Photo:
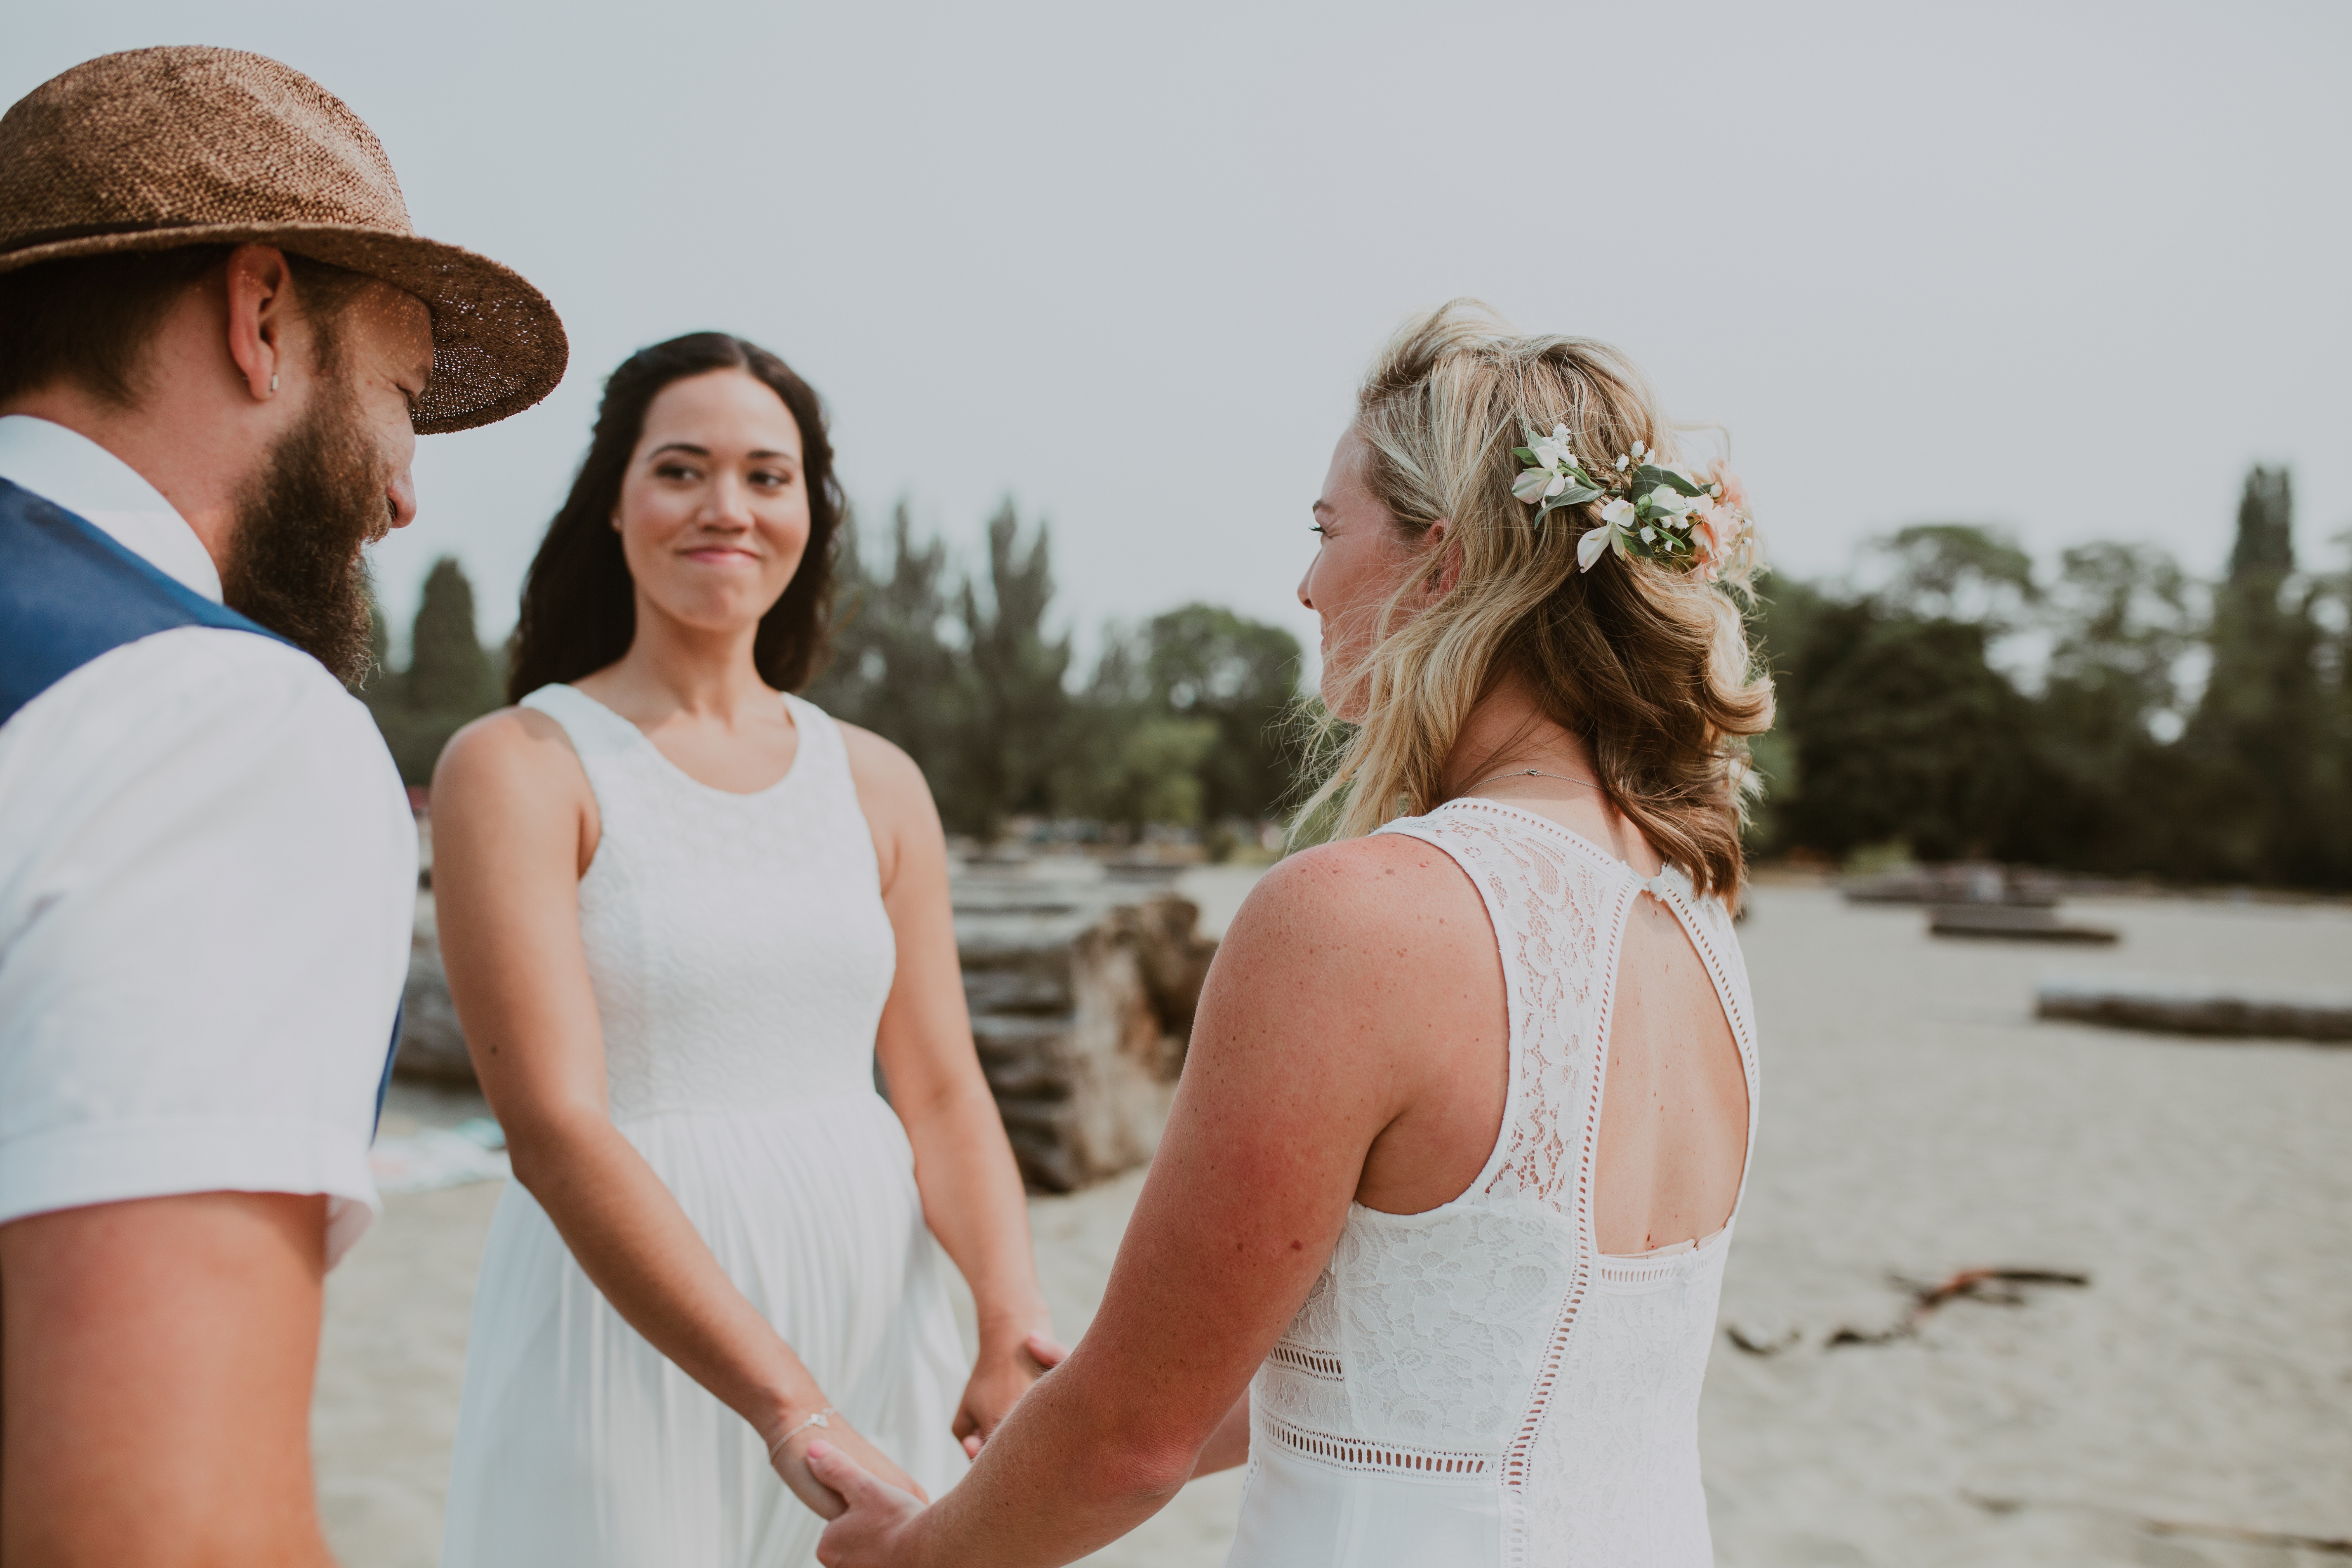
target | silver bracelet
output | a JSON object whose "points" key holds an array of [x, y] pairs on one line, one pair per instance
{"points": [[816, 1420]]}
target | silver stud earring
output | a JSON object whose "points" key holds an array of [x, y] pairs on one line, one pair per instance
{"points": [[273, 381]]}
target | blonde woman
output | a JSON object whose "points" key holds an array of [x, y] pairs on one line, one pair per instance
{"points": [[1435, 1240]]}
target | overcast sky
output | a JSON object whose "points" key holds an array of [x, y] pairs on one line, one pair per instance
{"points": [[2068, 268]]}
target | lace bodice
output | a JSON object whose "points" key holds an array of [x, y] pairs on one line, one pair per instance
{"points": [[737, 943], [1488, 1340]]}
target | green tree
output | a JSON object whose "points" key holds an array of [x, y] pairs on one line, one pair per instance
{"points": [[1241, 677], [2121, 619], [1009, 745], [1958, 572], [451, 679], [449, 672], [2252, 791], [897, 668], [1902, 730]]}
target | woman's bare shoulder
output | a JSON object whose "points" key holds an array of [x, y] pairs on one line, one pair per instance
{"points": [[513, 749], [891, 786], [1362, 903]]}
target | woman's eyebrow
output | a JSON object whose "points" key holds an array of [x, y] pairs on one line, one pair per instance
{"points": [[686, 446]]}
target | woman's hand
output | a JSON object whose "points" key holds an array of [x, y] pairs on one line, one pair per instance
{"points": [[999, 1378], [875, 1527], [848, 1444]]}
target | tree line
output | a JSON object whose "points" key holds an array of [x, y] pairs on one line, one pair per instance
{"points": [[2113, 716], [2195, 732]]}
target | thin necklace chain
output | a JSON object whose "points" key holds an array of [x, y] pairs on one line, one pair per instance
{"points": [[1535, 773]]}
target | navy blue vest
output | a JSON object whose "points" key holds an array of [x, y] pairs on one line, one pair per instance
{"points": [[69, 593]]}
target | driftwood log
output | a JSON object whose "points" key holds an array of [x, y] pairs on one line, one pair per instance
{"points": [[1082, 995], [2013, 922], [2215, 1012], [1082, 998]]}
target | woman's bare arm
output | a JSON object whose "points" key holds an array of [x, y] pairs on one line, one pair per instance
{"points": [[963, 1166], [514, 826], [1325, 1024]]}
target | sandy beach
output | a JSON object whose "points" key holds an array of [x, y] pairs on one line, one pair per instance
{"points": [[2191, 1404]]}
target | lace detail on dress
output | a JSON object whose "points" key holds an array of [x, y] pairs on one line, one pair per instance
{"points": [[1349, 1454], [1555, 913]]}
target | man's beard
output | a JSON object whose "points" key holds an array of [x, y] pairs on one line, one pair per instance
{"points": [[294, 561]]}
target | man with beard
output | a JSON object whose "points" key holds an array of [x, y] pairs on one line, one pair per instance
{"points": [[219, 337]]}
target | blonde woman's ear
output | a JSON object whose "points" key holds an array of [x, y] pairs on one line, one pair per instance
{"points": [[1448, 570]]}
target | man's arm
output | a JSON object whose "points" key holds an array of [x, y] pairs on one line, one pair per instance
{"points": [[156, 1360]]}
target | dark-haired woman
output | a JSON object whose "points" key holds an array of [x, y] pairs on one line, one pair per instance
{"points": [[682, 912]]}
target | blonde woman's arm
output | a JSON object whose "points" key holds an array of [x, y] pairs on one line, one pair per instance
{"points": [[964, 1169], [514, 828], [1353, 1007]]}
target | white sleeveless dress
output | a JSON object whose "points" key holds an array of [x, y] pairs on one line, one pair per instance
{"points": [[741, 956], [1478, 1384]]}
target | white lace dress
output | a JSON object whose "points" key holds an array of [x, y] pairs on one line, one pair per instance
{"points": [[741, 956], [1478, 1384]]}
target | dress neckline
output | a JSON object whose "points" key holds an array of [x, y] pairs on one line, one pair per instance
{"points": [[801, 731], [1667, 871]]}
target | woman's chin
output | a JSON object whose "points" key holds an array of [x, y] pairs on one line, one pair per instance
{"points": [[726, 616]]}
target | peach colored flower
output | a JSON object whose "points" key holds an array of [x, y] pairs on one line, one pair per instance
{"points": [[1735, 492], [1709, 529]]}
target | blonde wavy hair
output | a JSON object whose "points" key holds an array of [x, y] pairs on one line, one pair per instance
{"points": [[1648, 664]]}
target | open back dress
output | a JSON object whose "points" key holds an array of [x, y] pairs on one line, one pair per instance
{"points": [[1478, 1384]]}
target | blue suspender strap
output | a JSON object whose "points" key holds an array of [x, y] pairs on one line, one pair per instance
{"points": [[383, 1084], [69, 592]]}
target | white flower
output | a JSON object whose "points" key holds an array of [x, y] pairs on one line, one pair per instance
{"points": [[1622, 459], [1590, 548], [1668, 499], [1614, 518], [1649, 535], [1640, 453]]}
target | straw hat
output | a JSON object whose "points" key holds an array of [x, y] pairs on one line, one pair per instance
{"points": [[160, 148]]}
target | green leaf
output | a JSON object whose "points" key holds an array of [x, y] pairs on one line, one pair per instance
{"points": [[1577, 495], [1523, 455], [1648, 477]]}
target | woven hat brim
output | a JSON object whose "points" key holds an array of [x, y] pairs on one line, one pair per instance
{"points": [[498, 345]]}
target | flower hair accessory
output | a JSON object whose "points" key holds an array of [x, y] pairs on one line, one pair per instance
{"points": [[1648, 508]]}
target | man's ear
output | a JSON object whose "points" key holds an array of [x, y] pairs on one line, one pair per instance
{"points": [[261, 313]]}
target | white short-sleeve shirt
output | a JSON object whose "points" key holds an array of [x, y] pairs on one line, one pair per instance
{"points": [[207, 886]]}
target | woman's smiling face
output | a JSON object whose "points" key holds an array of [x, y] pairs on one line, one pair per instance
{"points": [[1361, 557], [714, 509]]}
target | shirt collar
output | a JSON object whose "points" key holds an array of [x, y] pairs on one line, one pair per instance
{"points": [[71, 470]]}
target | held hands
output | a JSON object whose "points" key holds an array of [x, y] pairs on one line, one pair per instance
{"points": [[877, 1531], [838, 1436], [998, 1382]]}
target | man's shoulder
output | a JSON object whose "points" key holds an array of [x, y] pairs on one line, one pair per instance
{"points": [[215, 708], [69, 595]]}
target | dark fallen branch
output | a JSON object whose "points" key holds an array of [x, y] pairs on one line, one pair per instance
{"points": [[1760, 1347], [1993, 1287], [2338, 1546]]}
